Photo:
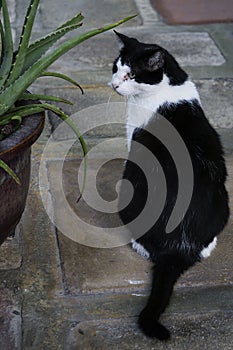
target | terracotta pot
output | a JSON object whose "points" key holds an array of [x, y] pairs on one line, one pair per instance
{"points": [[15, 151]]}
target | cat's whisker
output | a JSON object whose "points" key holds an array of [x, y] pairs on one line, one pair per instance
{"points": [[110, 96], [108, 103]]}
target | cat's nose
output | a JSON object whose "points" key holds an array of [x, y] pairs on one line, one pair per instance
{"points": [[115, 86]]}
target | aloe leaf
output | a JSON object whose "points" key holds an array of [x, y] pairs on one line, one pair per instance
{"points": [[1, 41], [18, 118], [39, 47], [73, 126], [9, 171], [69, 121], [24, 41], [7, 45], [23, 111], [8, 97], [74, 20], [62, 76], [44, 98]]}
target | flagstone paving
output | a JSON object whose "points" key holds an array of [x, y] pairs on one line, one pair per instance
{"points": [[57, 293]]}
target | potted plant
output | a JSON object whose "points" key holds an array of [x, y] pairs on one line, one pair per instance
{"points": [[21, 113]]}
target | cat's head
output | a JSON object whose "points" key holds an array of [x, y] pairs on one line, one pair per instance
{"points": [[141, 66]]}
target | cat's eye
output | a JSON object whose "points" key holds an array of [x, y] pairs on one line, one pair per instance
{"points": [[131, 75]]}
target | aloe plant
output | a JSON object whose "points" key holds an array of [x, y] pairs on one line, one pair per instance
{"points": [[19, 69]]}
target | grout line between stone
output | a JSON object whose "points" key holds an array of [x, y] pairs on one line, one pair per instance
{"points": [[148, 14], [61, 265]]}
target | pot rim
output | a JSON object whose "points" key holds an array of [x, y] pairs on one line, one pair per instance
{"points": [[24, 136]]}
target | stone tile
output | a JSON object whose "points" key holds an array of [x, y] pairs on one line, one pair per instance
{"points": [[90, 270], [215, 95], [229, 164], [11, 9], [11, 252], [97, 53], [87, 269], [216, 98], [10, 321], [41, 273], [215, 328], [110, 321], [217, 269], [56, 274], [93, 95], [227, 139], [189, 48], [95, 14]]}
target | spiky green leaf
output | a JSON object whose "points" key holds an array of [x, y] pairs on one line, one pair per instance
{"points": [[74, 127], [7, 45], [18, 118], [38, 97], [24, 42], [23, 111], [9, 96], [69, 121], [62, 76], [74, 20], [38, 48], [9, 171]]}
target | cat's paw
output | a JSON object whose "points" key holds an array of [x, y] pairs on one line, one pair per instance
{"points": [[152, 328]]}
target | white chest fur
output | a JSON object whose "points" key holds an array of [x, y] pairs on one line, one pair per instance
{"points": [[144, 105], [206, 252], [137, 116]]}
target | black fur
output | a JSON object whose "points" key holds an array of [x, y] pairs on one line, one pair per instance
{"points": [[208, 211]]}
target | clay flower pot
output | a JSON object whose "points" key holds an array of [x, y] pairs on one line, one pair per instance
{"points": [[15, 151]]}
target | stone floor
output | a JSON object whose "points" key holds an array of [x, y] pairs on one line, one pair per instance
{"points": [[57, 293]]}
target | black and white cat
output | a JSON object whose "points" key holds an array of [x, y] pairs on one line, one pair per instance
{"points": [[150, 77]]}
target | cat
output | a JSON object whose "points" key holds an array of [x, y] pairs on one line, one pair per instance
{"points": [[149, 76]]}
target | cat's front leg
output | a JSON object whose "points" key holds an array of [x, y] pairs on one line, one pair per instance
{"points": [[166, 271], [151, 327]]}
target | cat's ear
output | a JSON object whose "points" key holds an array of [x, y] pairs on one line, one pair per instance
{"points": [[125, 40], [155, 61]]}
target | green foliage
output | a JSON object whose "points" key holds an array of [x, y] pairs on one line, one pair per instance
{"points": [[19, 69]]}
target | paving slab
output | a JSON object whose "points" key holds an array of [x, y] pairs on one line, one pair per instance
{"points": [[217, 102], [95, 14], [196, 333], [41, 265], [110, 320], [90, 270], [215, 96], [11, 252], [10, 320], [189, 48], [58, 294], [11, 9], [93, 95], [40, 273], [200, 317]]}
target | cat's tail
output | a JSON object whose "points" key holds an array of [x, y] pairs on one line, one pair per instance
{"points": [[166, 271]]}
